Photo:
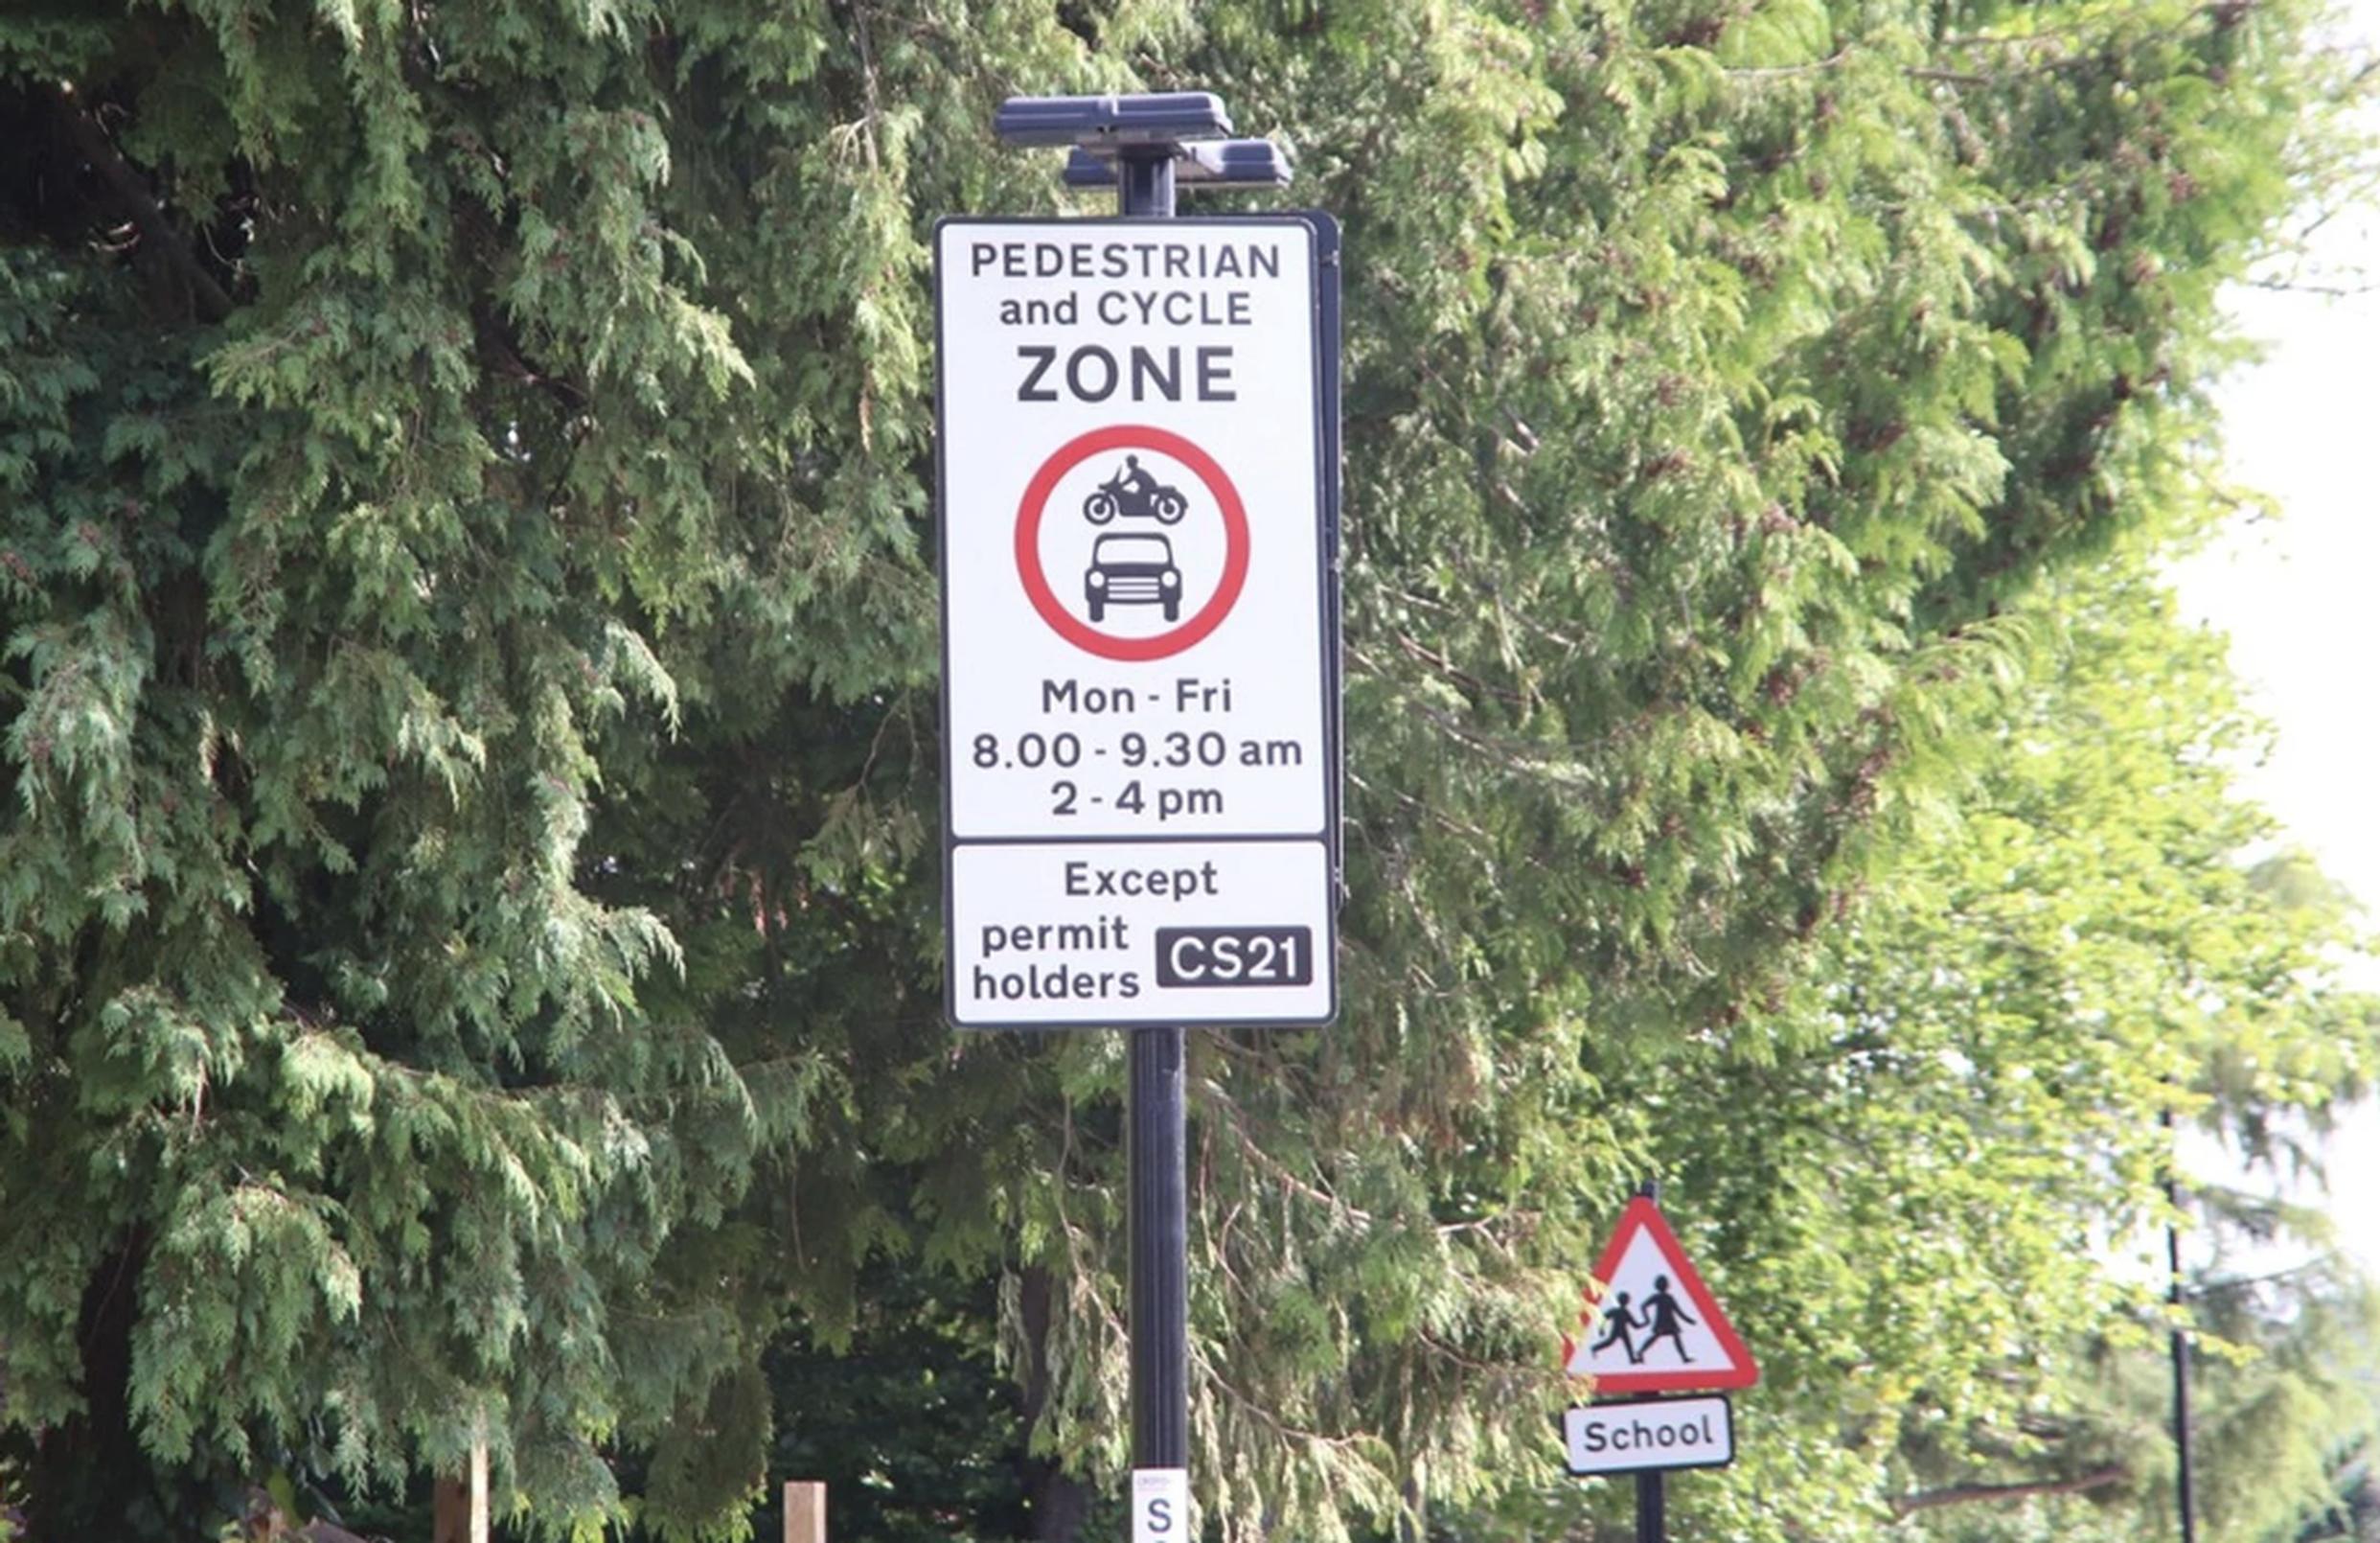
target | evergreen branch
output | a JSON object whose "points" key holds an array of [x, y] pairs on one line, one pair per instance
{"points": [[1084, 1269], [2336, 291], [2354, 192], [2220, 1285], [1444, 1351], [2011, 39], [870, 87], [501, 348], [1515, 755], [1527, 622], [1259, 1158], [1777, 72], [1271, 1422], [1968, 1495], [1916, 72], [1488, 1230], [2222, 12], [212, 301], [1445, 665], [2225, 13]]}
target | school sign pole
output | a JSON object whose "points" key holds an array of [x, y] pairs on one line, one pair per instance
{"points": [[1652, 1484], [1652, 1330], [1138, 513]]}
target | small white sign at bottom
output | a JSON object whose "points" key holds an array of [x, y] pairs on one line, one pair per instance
{"points": [[1160, 1504], [1652, 1433]]}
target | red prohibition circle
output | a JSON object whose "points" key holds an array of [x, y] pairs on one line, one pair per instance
{"points": [[1035, 500]]}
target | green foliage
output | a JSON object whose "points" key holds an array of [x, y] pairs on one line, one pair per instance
{"points": [[917, 1420], [1928, 1180], [467, 928], [2283, 1414]]}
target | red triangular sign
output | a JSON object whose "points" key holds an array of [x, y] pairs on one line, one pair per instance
{"points": [[1654, 1327]]}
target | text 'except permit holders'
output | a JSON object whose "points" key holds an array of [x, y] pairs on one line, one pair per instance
{"points": [[1156, 933]]}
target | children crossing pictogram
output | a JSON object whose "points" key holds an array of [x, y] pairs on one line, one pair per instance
{"points": [[1653, 1325]]}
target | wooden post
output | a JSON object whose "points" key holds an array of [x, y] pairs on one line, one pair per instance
{"points": [[805, 1511], [461, 1505]]}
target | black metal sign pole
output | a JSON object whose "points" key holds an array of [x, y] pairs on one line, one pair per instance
{"points": [[1652, 1498], [1652, 1508], [1160, 1196], [1160, 1248], [2184, 1488]]}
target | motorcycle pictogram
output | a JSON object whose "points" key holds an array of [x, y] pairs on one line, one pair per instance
{"points": [[1136, 495]]}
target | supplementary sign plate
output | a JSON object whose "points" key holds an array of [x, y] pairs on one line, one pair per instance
{"points": [[1087, 933], [1160, 1504], [1650, 1433]]}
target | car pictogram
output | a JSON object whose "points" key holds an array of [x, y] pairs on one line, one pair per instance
{"points": [[1132, 570]]}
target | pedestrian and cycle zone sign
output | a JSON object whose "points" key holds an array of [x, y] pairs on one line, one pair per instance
{"points": [[1139, 621], [1652, 1326]]}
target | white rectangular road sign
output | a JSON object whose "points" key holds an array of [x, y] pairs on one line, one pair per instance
{"points": [[1138, 607], [1160, 1504], [1095, 932], [1650, 1433]]}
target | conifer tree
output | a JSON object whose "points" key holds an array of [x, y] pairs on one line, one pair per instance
{"points": [[468, 929], [1935, 1178]]}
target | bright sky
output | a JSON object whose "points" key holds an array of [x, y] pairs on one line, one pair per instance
{"points": [[2297, 593]]}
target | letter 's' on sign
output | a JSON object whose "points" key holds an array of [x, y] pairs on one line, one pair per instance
{"points": [[1160, 1504]]}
